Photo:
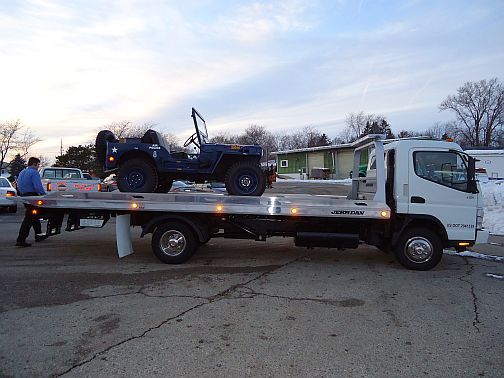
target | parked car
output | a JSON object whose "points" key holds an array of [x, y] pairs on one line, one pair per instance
{"points": [[181, 186], [146, 165], [217, 187], [62, 179], [109, 184], [8, 196]]}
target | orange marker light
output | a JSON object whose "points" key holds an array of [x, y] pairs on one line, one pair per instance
{"points": [[111, 158], [464, 244], [219, 208], [34, 212], [134, 205], [49, 186], [294, 211], [40, 202], [385, 214], [10, 194]]}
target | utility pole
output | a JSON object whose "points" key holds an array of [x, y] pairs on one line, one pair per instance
{"points": [[61, 147]]}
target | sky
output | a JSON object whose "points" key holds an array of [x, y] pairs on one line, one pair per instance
{"points": [[69, 67]]}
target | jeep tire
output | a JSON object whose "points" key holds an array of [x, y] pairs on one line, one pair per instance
{"points": [[137, 176], [102, 138], [245, 178]]}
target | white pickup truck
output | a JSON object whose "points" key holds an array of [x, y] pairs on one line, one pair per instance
{"points": [[60, 179]]}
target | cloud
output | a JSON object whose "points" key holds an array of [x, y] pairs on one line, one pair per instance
{"points": [[260, 21], [66, 68]]}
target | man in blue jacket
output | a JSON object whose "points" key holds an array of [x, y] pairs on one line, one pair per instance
{"points": [[30, 184]]}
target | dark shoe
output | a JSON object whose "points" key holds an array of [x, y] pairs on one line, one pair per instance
{"points": [[39, 238], [23, 244]]}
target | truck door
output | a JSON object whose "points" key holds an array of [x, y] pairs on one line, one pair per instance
{"points": [[438, 187]]}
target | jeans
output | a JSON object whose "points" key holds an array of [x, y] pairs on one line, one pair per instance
{"points": [[29, 221]]}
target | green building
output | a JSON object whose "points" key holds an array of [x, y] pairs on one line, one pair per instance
{"points": [[336, 161]]}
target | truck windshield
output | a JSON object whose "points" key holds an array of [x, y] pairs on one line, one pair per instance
{"points": [[200, 125], [445, 168]]}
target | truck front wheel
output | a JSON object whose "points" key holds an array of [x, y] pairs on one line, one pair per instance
{"points": [[173, 243], [419, 248], [137, 176], [245, 179]]}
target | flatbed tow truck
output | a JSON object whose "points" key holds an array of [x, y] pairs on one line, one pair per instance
{"points": [[419, 197]]}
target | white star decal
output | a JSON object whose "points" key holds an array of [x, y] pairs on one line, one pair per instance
{"points": [[114, 150]]}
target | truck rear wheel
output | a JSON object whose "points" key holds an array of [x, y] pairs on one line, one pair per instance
{"points": [[102, 138], [137, 176], [419, 248], [245, 179], [173, 242]]}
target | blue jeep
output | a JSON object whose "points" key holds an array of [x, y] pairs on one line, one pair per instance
{"points": [[146, 165]]}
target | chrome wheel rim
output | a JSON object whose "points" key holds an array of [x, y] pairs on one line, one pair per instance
{"points": [[245, 181], [418, 249], [172, 243]]}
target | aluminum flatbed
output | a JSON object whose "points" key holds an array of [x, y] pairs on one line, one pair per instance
{"points": [[299, 205]]}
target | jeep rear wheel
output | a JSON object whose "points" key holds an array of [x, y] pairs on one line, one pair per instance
{"points": [[137, 176], [245, 179]]}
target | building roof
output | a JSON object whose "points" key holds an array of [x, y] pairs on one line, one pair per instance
{"points": [[354, 144]]}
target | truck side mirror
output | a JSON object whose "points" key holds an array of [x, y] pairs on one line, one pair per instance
{"points": [[472, 186]]}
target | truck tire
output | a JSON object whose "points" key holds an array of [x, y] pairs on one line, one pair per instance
{"points": [[245, 179], [419, 248], [102, 138], [174, 242], [137, 176]]}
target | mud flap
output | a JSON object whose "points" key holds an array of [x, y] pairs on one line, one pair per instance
{"points": [[123, 235]]}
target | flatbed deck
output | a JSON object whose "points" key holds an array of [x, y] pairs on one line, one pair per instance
{"points": [[299, 205]]}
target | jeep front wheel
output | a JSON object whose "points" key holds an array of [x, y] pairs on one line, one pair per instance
{"points": [[245, 179], [137, 176]]}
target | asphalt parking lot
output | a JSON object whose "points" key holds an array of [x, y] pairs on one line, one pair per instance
{"points": [[69, 306]]}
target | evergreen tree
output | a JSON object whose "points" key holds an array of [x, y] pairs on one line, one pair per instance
{"points": [[17, 165], [82, 157]]}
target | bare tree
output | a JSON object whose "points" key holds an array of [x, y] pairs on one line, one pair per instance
{"points": [[15, 137], [479, 111], [121, 129], [356, 125], [256, 134], [127, 129], [8, 132], [224, 138], [45, 161]]}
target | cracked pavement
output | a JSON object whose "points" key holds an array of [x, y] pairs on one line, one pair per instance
{"points": [[69, 307]]}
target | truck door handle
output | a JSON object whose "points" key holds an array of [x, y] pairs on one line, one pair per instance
{"points": [[416, 199]]}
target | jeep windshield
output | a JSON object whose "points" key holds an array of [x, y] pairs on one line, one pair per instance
{"points": [[200, 125]]}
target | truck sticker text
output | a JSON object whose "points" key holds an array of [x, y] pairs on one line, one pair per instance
{"points": [[348, 212], [459, 225]]}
